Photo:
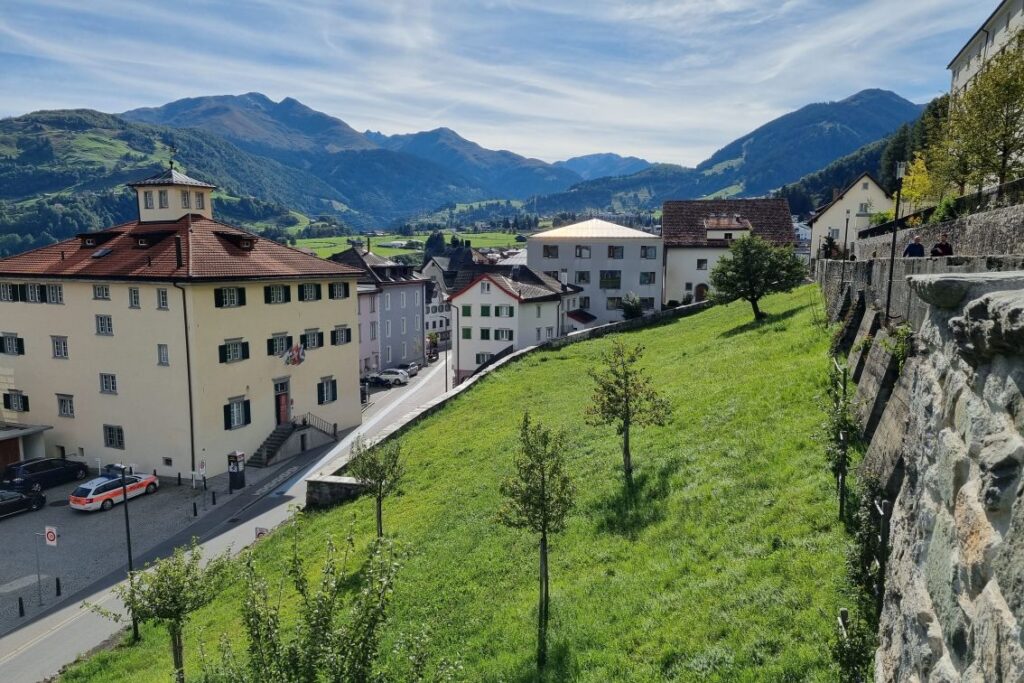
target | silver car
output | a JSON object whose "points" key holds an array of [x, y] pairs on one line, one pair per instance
{"points": [[395, 376]]}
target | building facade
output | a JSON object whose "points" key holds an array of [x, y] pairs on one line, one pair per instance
{"points": [[168, 343], [606, 261], [400, 305], [497, 309], [1004, 25], [698, 232], [369, 329], [861, 200]]}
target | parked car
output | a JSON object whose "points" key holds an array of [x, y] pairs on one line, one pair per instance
{"points": [[375, 380], [411, 369], [395, 376], [13, 502], [41, 473], [103, 493]]}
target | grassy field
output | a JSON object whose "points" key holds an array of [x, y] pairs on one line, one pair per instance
{"points": [[727, 568], [325, 246]]}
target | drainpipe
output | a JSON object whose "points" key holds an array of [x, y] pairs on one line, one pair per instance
{"points": [[188, 367]]}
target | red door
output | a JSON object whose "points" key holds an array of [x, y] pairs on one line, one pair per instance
{"points": [[282, 408]]}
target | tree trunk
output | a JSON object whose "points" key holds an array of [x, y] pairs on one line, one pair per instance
{"points": [[627, 458], [178, 654], [542, 607], [380, 514], [758, 315]]}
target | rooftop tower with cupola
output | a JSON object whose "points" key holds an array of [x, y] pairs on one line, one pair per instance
{"points": [[169, 195]]}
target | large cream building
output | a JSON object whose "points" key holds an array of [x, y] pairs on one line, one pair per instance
{"points": [[1006, 23], [170, 341]]}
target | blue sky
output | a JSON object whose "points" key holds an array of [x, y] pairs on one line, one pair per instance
{"points": [[669, 80]]}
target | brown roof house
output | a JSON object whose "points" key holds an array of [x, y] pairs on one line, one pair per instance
{"points": [[172, 340], [697, 232]]}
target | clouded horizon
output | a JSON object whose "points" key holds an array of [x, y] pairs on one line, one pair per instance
{"points": [[665, 80]]}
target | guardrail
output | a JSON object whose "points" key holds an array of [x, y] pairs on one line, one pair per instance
{"points": [[328, 428]]}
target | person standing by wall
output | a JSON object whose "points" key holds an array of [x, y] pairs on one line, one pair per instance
{"points": [[915, 249], [942, 247]]}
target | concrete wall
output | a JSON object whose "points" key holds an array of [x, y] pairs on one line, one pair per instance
{"points": [[999, 231], [681, 270]]}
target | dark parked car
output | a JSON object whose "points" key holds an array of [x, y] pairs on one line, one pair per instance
{"points": [[41, 473], [12, 502]]}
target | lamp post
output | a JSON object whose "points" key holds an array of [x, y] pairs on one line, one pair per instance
{"points": [[128, 539], [846, 242], [901, 169]]}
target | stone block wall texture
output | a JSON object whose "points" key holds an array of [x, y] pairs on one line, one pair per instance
{"points": [[1000, 231], [870, 323], [954, 591], [875, 385]]}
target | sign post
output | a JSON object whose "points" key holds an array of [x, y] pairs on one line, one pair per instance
{"points": [[51, 536]]}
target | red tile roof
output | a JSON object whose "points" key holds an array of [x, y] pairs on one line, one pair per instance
{"points": [[685, 223], [210, 250]]}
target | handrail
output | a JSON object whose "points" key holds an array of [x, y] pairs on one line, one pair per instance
{"points": [[328, 428]]}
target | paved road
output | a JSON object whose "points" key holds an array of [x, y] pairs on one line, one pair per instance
{"points": [[41, 648]]}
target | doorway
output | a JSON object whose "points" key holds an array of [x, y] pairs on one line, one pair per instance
{"points": [[701, 293], [282, 402]]}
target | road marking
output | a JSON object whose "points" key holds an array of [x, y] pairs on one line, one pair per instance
{"points": [[56, 627], [26, 580]]}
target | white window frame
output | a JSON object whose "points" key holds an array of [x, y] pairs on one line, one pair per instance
{"points": [[582, 251], [104, 325], [403, 299], [54, 294], [387, 353], [134, 301], [650, 280], [483, 357], [404, 327], [229, 297], [387, 301], [147, 199], [232, 350], [113, 436], [648, 252], [373, 330], [163, 355], [185, 203], [59, 345], [485, 287], [163, 198], [17, 399], [404, 350], [32, 294], [162, 299], [280, 344], [502, 334], [108, 383], [200, 201], [311, 338], [9, 344], [416, 322], [550, 332], [237, 412], [7, 291], [65, 405], [387, 328]]}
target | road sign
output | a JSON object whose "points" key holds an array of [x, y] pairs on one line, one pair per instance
{"points": [[261, 532], [51, 535]]}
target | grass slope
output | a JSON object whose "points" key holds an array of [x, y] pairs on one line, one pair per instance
{"points": [[729, 569]]}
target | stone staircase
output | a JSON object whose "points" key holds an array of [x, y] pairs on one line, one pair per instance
{"points": [[268, 449]]}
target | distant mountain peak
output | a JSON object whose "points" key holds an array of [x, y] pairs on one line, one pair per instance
{"points": [[604, 164]]}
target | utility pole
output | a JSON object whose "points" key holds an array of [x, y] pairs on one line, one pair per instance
{"points": [[901, 169], [128, 538], [846, 242]]}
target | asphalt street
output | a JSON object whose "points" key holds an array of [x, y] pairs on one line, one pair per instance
{"points": [[40, 648]]}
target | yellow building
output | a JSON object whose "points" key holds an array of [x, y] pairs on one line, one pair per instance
{"points": [[170, 341], [862, 199]]}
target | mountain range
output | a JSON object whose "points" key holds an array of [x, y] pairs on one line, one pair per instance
{"points": [[294, 157]]}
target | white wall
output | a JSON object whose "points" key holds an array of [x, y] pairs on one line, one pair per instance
{"points": [[175, 208], [681, 269], [1005, 23], [834, 219], [631, 265], [369, 332]]}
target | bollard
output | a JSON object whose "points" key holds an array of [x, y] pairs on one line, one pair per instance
{"points": [[195, 510], [58, 586], [214, 494], [21, 607], [204, 482], [179, 478], [154, 471]]}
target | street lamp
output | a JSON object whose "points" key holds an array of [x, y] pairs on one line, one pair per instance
{"points": [[901, 170], [846, 242], [128, 539]]}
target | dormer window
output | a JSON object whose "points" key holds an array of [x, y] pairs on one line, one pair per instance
{"points": [[728, 235], [163, 199], [200, 201], [89, 241], [245, 244], [143, 242], [147, 199], [184, 199]]}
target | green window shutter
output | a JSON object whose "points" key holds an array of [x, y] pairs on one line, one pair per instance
{"points": [[348, 335], [270, 346], [319, 338], [227, 416], [245, 350], [43, 293], [218, 297], [7, 401], [319, 291], [288, 342], [266, 293], [467, 311], [320, 393], [241, 296], [334, 338], [510, 335], [344, 290], [248, 411], [334, 388], [485, 311], [222, 353], [24, 403], [511, 311], [287, 293], [20, 343]]}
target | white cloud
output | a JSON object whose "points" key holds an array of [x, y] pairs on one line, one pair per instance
{"points": [[670, 80]]}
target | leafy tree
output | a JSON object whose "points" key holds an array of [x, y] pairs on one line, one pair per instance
{"points": [[624, 396], [380, 469], [169, 590], [435, 245], [538, 498], [631, 307], [754, 268], [918, 187], [325, 645]]}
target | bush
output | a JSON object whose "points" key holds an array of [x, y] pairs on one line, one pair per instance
{"points": [[945, 211], [882, 217]]}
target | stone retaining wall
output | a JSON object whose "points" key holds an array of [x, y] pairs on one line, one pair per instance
{"points": [[327, 490], [1000, 231]]}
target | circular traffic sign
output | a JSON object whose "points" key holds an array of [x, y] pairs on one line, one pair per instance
{"points": [[51, 536]]}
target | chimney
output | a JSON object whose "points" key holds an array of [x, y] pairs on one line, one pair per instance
{"points": [[177, 250]]}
